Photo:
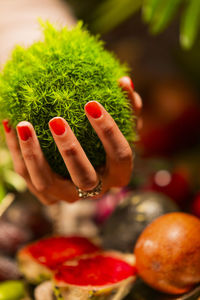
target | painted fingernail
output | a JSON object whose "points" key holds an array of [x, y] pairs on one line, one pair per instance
{"points": [[58, 126], [24, 132], [132, 85], [6, 126], [93, 109], [127, 81]]}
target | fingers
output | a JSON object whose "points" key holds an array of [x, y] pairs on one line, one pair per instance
{"points": [[38, 169], [29, 162], [118, 151], [127, 85], [13, 146], [82, 172]]}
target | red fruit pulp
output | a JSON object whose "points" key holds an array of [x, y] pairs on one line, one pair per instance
{"points": [[95, 271], [53, 251]]}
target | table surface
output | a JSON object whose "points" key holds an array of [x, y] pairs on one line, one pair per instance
{"points": [[141, 291]]}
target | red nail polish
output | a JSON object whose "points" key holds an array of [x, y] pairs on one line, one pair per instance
{"points": [[93, 109], [24, 132], [6, 126], [58, 126], [131, 83]]}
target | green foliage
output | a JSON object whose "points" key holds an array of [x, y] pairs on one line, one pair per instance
{"points": [[57, 77], [156, 13]]}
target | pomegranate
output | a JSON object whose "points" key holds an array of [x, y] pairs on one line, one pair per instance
{"points": [[106, 276], [38, 260]]}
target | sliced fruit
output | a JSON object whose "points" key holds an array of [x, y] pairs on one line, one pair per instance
{"points": [[100, 276], [38, 260]]}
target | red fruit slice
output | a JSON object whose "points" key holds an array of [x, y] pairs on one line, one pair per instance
{"points": [[37, 260], [103, 275], [96, 271]]}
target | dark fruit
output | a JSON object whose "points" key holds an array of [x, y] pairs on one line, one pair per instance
{"points": [[8, 269], [12, 237], [168, 253], [123, 227]]}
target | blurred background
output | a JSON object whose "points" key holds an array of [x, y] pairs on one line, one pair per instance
{"points": [[160, 42]]}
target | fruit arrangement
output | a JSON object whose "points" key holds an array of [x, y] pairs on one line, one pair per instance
{"points": [[78, 269]]}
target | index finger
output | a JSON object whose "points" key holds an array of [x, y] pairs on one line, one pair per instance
{"points": [[136, 101]]}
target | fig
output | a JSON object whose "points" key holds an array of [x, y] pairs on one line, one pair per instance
{"points": [[106, 275], [12, 237], [168, 253], [39, 259], [8, 269]]}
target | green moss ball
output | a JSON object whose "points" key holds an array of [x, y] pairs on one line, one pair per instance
{"points": [[57, 77]]}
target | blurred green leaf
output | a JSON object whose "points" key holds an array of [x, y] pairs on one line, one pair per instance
{"points": [[157, 13], [2, 192], [148, 9], [110, 13], [14, 180], [163, 15], [190, 24]]}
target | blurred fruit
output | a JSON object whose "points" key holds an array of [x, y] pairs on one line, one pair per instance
{"points": [[168, 253], [12, 237], [27, 213], [123, 227], [174, 184], [170, 119], [195, 209], [8, 269], [12, 290]]}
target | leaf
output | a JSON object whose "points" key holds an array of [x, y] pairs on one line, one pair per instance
{"points": [[2, 192], [190, 24], [149, 8], [164, 15], [112, 12]]}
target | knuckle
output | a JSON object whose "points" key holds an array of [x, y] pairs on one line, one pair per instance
{"points": [[87, 184], [21, 170], [70, 150], [42, 187], [108, 130], [29, 156], [124, 155]]}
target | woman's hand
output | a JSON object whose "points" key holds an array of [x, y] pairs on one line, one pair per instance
{"points": [[49, 187]]}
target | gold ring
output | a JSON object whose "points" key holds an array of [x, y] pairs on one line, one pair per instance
{"points": [[88, 194]]}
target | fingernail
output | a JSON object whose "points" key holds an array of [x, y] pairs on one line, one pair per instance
{"points": [[6, 126], [24, 132], [58, 126], [132, 85], [93, 109], [127, 81]]}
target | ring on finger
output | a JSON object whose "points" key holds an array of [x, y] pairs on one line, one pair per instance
{"points": [[91, 193]]}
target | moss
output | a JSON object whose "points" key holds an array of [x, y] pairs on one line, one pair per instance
{"points": [[57, 77]]}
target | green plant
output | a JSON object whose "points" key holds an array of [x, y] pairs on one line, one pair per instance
{"points": [[57, 77], [156, 13]]}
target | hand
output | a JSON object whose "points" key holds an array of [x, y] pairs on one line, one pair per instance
{"points": [[48, 186]]}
